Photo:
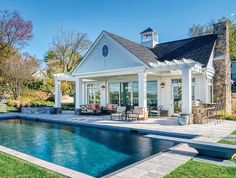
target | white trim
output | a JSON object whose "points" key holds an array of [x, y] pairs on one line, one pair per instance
{"points": [[125, 71]]}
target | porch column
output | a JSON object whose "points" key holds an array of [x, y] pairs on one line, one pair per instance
{"points": [[78, 94], [142, 88], [57, 94], [186, 91]]}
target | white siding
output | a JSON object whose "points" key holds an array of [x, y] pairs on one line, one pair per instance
{"points": [[118, 58]]}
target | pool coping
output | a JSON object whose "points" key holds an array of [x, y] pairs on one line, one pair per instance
{"points": [[108, 127]]}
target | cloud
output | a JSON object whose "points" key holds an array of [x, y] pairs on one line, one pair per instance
{"points": [[232, 14]]}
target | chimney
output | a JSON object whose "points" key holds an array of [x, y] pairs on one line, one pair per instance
{"points": [[221, 29], [222, 64], [149, 38]]}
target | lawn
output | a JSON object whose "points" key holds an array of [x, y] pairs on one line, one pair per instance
{"points": [[14, 167], [10, 109], [193, 169]]}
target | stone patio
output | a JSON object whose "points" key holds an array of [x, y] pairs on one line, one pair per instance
{"points": [[158, 165]]}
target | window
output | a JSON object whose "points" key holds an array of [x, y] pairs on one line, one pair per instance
{"points": [[93, 93], [114, 93], [210, 90], [105, 51], [152, 94], [135, 93]]}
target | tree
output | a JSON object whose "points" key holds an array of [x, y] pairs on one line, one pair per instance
{"points": [[15, 32], [200, 29], [18, 71], [66, 51]]}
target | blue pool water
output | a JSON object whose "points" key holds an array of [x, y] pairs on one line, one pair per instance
{"points": [[95, 152]]}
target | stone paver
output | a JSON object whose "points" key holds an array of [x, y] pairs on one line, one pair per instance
{"points": [[161, 164]]}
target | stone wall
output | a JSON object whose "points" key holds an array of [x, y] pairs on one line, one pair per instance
{"points": [[222, 64], [234, 103]]}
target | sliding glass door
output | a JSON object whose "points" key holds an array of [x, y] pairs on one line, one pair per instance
{"points": [[126, 93]]}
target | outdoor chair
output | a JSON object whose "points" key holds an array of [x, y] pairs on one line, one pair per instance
{"points": [[111, 108], [120, 113], [154, 111], [89, 109], [137, 113]]}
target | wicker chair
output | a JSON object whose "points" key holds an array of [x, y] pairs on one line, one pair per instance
{"points": [[120, 113], [137, 113]]}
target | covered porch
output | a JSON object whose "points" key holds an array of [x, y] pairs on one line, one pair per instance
{"points": [[174, 85]]}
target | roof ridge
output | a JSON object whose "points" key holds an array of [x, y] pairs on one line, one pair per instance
{"points": [[127, 40], [185, 39]]}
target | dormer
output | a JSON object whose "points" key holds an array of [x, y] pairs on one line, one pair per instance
{"points": [[149, 38]]}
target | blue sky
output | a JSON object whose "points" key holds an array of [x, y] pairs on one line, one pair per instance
{"points": [[171, 18]]}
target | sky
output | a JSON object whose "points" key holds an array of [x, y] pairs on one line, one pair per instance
{"points": [[127, 18]]}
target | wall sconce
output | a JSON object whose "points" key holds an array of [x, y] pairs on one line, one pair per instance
{"points": [[162, 85], [103, 87]]}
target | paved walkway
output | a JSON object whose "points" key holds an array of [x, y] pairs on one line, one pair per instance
{"points": [[161, 164]]}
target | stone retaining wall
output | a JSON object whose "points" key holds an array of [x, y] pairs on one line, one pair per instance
{"points": [[40, 110]]}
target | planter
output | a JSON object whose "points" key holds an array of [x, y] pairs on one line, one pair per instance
{"points": [[183, 119]]}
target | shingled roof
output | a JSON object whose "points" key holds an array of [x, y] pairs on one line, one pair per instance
{"points": [[198, 49], [141, 52]]}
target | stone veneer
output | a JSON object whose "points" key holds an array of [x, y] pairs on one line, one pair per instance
{"points": [[222, 64]]}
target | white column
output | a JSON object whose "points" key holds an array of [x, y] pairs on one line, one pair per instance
{"points": [[186, 91], [57, 94], [142, 88], [103, 93], [78, 93]]}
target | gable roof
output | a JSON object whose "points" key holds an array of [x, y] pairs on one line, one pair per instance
{"points": [[141, 52], [198, 49]]}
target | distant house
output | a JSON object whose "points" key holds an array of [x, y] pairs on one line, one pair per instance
{"points": [[173, 74], [40, 74]]}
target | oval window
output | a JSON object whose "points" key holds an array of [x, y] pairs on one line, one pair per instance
{"points": [[105, 50]]}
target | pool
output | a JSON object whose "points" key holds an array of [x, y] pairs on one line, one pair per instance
{"points": [[92, 151]]}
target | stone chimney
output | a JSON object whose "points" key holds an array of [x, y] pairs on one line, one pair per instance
{"points": [[222, 64]]}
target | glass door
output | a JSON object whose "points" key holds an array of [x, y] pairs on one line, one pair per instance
{"points": [[177, 98], [126, 89]]}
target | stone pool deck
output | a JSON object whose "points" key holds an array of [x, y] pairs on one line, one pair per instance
{"points": [[158, 165]]}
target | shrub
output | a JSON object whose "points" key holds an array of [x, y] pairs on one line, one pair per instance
{"points": [[68, 106]]}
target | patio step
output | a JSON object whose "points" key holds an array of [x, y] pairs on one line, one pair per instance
{"points": [[215, 150]]}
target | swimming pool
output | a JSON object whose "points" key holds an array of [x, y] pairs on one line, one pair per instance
{"points": [[92, 151]]}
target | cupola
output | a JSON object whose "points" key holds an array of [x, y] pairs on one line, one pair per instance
{"points": [[149, 38]]}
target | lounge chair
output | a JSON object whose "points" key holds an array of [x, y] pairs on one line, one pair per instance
{"points": [[137, 113], [120, 112]]}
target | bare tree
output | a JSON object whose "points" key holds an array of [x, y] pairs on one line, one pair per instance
{"points": [[68, 48], [15, 32], [17, 72]]}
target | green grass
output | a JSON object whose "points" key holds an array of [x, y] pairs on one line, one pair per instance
{"points": [[14, 167], [193, 169], [10, 109], [227, 142], [233, 133]]}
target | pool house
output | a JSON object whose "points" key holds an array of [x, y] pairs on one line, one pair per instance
{"points": [[173, 75]]}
